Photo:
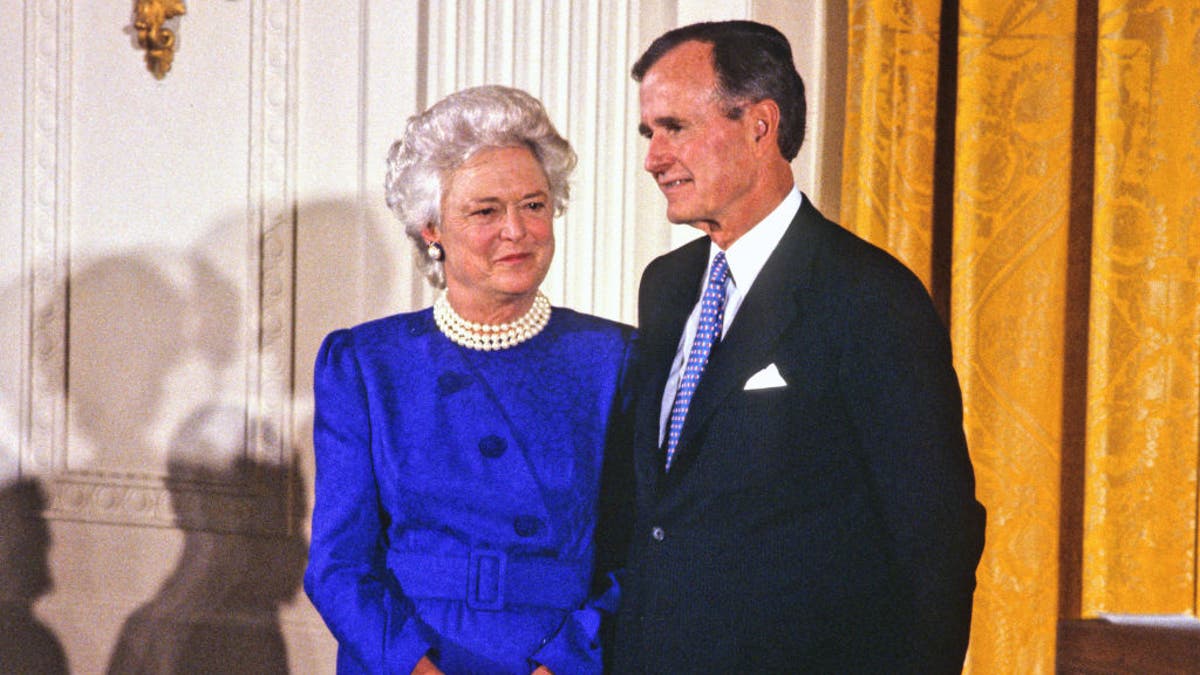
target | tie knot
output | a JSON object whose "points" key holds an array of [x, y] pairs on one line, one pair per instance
{"points": [[720, 268]]}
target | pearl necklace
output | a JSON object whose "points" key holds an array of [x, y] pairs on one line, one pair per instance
{"points": [[490, 337]]}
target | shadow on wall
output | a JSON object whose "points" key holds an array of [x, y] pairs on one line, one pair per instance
{"points": [[173, 323], [26, 645], [152, 336], [156, 349], [243, 557], [155, 383]]}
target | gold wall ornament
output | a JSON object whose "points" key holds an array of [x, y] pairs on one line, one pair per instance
{"points": [[158, 41]]}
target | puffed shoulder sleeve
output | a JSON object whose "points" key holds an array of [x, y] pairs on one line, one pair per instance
{"points": [[347, 577]]}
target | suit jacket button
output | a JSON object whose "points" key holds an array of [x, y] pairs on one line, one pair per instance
{"points": [[657, 533]]}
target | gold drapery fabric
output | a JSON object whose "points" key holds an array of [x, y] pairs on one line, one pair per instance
{"points": [[1074, 283], [1011, 215], [1141, 498], [890, 127]]}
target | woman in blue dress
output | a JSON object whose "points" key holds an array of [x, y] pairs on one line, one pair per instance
{"points": [[460, 449]]}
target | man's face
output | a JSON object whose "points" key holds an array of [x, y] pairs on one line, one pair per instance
{"points": [[702, 161]]}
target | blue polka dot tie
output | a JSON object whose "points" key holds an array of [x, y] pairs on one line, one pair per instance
{"points": [[712, 315]]}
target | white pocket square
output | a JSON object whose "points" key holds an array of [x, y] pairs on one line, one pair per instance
{"points": [[767, 378]]}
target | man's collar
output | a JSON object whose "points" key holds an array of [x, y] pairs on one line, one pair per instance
{"points": [[749, 253]]}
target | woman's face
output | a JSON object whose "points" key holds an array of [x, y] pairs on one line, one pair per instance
{"points": [[497, 232]]}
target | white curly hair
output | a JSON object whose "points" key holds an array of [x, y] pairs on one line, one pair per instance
{"points": [[438, 141]]}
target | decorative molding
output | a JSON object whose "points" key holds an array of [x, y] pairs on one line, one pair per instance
{"points": [[272, 147], [241, 503], [107, 498], [47, 141]]}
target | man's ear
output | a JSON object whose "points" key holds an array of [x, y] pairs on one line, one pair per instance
{"points": [[764, 116]]}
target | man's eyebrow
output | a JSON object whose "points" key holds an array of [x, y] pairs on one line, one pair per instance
{"points": [[667, 121]]}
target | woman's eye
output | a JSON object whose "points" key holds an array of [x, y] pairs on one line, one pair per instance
{"points": [[535, 206], [483, 212]]}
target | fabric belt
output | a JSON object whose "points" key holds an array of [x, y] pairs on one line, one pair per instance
{"points": [[491, 580]]}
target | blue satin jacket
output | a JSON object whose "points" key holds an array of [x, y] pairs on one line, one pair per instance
{"points": [[457, 495]]}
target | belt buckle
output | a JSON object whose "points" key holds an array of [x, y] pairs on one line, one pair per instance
{"points": [[485, 579]]}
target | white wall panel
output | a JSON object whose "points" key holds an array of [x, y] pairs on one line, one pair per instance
{"points": [[157, 225], [159, 217], [13, 286]]}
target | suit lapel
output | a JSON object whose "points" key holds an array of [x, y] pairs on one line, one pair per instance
{"points": [[770, 307], [666, 301]]}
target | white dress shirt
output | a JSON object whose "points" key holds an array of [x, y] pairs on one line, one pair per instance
{"points": [[746, 258]]}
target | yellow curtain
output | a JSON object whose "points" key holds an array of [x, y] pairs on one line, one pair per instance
{"points": [[1073, 280], [1141, 500], [1011, 216], [890, 118]]}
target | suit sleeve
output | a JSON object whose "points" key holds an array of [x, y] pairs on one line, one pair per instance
{"points": [[347, 576], [901, 384]]}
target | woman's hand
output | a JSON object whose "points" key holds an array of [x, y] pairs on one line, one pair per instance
{"points": [[426, 667], [542, 670]]}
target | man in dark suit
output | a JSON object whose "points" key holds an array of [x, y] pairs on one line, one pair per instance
{"points": [[805, 500]]}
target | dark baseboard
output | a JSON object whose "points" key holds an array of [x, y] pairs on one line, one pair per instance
{"points": [[1095, 646]]}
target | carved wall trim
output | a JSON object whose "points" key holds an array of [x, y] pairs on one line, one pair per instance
{"points": [[273, 200], [47, 138], [146, 498]]}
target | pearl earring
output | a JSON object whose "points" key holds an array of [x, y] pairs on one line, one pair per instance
{"points": [[435, 251]]}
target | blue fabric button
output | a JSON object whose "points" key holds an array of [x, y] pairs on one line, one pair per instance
{"points": [[452, 382], [528, 526], [492, 446]]}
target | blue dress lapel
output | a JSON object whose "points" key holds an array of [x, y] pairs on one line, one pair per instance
{"points": [[671, 288]]}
